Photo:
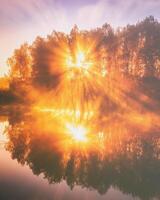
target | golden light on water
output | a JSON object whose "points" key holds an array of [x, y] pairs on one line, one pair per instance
{"points": [[78, 132], [84, 107], [64, 113], [85, 122]]}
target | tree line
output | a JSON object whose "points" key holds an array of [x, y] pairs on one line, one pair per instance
{"points": [[132, 51]]}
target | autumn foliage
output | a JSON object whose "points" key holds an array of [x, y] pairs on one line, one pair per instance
{"points": [[130, 53]]}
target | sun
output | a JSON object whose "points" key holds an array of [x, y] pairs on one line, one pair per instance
{"points": [[79, 62], [80, 59], [78, 132]]}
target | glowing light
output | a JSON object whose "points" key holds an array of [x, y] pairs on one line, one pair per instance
{"points": [[80, 61], [104, 72], [66, 112], [69, 61], [78, 132]]}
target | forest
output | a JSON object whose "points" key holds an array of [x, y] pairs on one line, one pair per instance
{"points": [[87, 61], [84, 107]]}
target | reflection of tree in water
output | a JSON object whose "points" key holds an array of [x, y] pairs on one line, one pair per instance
{"points": [[130, 161]]}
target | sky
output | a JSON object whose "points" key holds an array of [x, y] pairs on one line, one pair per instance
{"points": [[21, 21]]}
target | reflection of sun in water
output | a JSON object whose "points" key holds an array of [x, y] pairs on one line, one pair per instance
{"points": [[77, 132]]}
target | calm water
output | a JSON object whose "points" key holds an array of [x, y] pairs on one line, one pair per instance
{"points": [[39, 162]]}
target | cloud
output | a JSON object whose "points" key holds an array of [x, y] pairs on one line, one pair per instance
{"points": [[90, 16], [22, 21], [116, 12], [18, 13]]}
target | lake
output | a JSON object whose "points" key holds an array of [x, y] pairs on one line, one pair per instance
{"points": [[41, 160]]}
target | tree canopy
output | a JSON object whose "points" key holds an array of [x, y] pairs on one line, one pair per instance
{"points": [[132, 50]]}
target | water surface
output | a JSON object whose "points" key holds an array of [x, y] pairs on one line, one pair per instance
{"points": [[39, 160]]}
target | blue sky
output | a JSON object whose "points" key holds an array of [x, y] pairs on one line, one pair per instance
{"points": [[21, 21]]}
